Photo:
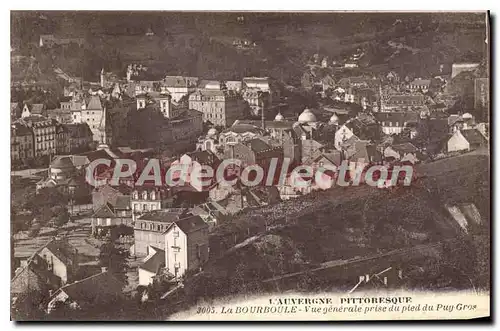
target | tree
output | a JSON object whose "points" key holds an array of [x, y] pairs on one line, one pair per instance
{"points": [[115, 260]]}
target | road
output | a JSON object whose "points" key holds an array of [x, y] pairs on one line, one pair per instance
{"points": [[27, 173]]}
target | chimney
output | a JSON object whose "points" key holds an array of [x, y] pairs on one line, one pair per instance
{"points": [[50, 293], [104, 269]]}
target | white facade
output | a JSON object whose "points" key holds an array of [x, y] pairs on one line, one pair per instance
{"points": [[457, 142], [341, 135], [176, 251]]}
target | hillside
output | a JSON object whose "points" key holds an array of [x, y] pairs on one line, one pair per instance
{"points": [[345, 223], [200, 44]]}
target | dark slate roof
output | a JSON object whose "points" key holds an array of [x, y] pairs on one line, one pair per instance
{"points": [[78, 130], [155, 262], [94, 103], [405, 148], [162, 215], [62, 162], [190, 224], [335, 157], [36, 108], [203, 157], [105, 211], [473, 136], [94, 290], [242, 128], [122, 202], [258, 145], [21, 129], [63, 250]]}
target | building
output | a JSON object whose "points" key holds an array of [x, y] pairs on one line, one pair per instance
{"points": [[401, 101], [61, 259], [145, 199], [179, 86], [21, 142], [99, 291], [395, 122], [405, 152], [94, 114], [15, 111], [458, 68], [186, 245], [150, 226], [33, 109], [365, 97], [419, 85], [181, 125], [359, 128], [481, 93], [62, 140], [79, 137], [33, 281], [466, 140], [113, 213], [461, 122], [220, 108], [44, 135], [63, 116], [254, 151], [151, 266]]}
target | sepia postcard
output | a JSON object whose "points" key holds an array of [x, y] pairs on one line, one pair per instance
{"points": [[250, 166]]}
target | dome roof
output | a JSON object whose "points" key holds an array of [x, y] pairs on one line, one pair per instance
{"points": [[212, 132], [334, 118], [279, 117], [307, 116], [63, 162]]}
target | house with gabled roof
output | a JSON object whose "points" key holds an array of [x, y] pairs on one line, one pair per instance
{"points": [[33, 278], [186, 245], [113, 213], [405, 152], [466, 140], [151, 266], [100, 290], [61, 259], [33, 109]]}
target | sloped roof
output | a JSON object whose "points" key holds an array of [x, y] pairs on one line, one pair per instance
{"points": [[258, 145], [180, 81], [62, 162], [105, 211], [189, 224], [162, 215], [203, 157], [334, 157], [94, 103], [405, 148], [63, 250], [78, 130], [155, 262], [20, 129], [97, 289], [473, 136], [122, 202], [242, 128], [37, 108]]}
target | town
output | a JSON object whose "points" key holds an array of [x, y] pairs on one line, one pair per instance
{"points": [[143, 251]]}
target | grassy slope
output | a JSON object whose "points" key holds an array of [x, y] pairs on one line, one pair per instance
{"points": [[343, 223]]}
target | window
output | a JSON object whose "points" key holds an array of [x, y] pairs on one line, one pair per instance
{"points": [[176, 233], [176, 249]]}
